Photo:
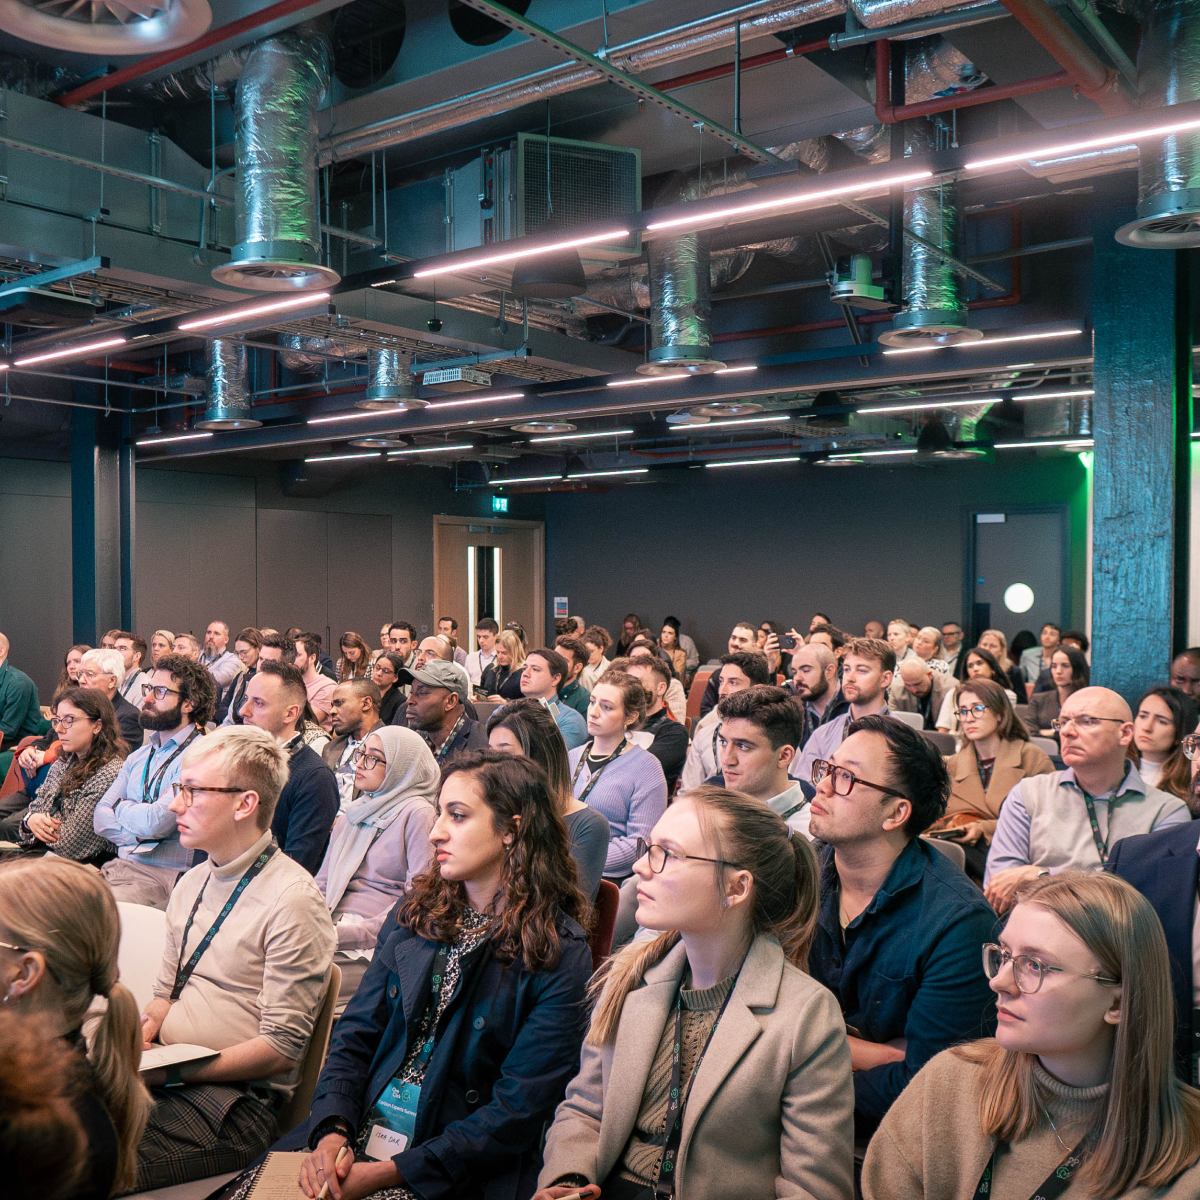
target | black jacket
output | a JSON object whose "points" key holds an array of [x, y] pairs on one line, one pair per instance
{"points": [[501, 681], [670, 744], [129, 719], [234, 696], [306, 810], [393, 702]]}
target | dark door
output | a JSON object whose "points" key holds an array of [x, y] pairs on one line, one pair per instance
{"points": [[1020, 569]]}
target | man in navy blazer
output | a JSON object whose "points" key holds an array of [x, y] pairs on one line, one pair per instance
{"points": [[1165, 867]]}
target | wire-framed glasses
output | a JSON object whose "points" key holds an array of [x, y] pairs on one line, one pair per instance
{"points": [[1028, 973]]}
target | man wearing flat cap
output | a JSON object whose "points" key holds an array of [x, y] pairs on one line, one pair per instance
{"points": [[437, 710]]}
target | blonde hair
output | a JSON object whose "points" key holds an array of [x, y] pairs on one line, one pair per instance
{"points": [[164, 633], [253, 759], [66, 912], [1006, 663], [786, 896], [514, 647], [1147, 1129]]}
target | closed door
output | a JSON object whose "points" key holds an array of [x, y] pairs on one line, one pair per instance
{"points": [[1020, 570]]}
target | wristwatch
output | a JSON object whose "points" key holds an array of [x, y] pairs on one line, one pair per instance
{"points": [[331, 1125]]}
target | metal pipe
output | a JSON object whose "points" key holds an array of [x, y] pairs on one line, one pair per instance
{"points": [[748, 64], [959, 18]]}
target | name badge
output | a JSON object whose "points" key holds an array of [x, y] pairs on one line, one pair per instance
{"points": [[394, 1120]]}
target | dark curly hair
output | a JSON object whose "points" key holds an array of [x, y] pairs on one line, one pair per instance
{"points": [[540, 879], [195, 684]]}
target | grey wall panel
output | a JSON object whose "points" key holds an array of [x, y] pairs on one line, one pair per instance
{"points": [[360, 575], [292, 570]]}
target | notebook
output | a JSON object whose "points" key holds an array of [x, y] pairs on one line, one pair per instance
{"points": [[278, 1177], [169, 1056]]}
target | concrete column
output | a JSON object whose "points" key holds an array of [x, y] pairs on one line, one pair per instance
{"points": [[1142, 417]]}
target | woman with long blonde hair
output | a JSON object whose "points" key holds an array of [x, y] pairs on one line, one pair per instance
{"points": [[59, 933], [1077, 1094], [501, 679]]}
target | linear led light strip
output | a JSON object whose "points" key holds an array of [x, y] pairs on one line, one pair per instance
{"points": [[754, 462], [178, 437], [237, 314], [735, 210], [352, 416], [455, 268], [578, 437], [735, 421], [1095, 143], [526, 479], [429, 450], [69, 352], [897, 408], [871, 453], [1082, 443], [677, 375], [1018, 337], [341, 457], [597, 474], [478, 399]]}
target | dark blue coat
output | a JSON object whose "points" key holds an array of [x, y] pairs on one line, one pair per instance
{"points": [[507, 1046], [1165, 868], [307, 809], [910, 966]]}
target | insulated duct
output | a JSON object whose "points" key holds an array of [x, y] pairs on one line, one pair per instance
{"points": [[680, 307], [390, 382], [1168, 211], [228, 396], [275, 132]]}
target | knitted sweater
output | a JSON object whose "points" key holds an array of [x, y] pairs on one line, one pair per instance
{"points": [[76, 809], [930, 1146]]}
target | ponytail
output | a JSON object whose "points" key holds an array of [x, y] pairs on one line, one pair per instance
{"points": [[116, 1053], [617, 977]]}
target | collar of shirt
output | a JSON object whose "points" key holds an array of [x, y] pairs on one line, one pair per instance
{"points": [[1133, 782], [906, 872], [155, 738], [237, 867], [293, 744], [786, 800]]}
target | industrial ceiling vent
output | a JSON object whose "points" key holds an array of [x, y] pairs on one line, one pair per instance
{"points": [[390, 383], [228, 398], [457, 379], [275, 133], [1168, 211], [106, 27]]}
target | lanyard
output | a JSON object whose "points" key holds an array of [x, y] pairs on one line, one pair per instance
{"points": [[1053, 1186], [1101, 843], [184, 973], [156, 783], [595, 775], [444, 749], [664, 1185], [791, 812], [437, 977]]}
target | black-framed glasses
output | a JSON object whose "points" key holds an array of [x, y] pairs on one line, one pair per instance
{"points": [[367, 758], [1028, 973], [1083, 722], [187, 791], [658, 856], [975, 710], [844, 780], [161, 691], [61, 723]]}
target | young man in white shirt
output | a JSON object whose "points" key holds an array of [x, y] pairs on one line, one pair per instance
{"points": [[248, 987], [479, 660]]}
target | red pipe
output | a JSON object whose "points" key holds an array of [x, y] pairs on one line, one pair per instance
{"points": [[284, 8], [748, 64]]}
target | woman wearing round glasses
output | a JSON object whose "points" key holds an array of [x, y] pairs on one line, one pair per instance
{"points": [[1077, 1095], [1163, 719], [384, 673], [92, 751], [996, 755]]}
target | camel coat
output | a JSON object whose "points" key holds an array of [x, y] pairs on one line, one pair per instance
{"points": [[1014, 761], [770, 1115]]}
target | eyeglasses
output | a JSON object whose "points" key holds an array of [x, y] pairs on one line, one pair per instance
{"points": [[160, 691], [1191, 744], [187, 791], [18, 949], [844, 781], [1028, 973], [976, 710], [63, 723], [658, 856], [368, 759], [1083, 722]]}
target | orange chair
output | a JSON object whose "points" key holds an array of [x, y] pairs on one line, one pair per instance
{"points": [[696, 694], [600, 943]]}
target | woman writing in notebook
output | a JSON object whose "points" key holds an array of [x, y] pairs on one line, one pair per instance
{"points": [[451, 1057]]}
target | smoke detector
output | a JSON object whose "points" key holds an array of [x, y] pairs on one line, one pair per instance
{"points": [[106, 27], [732, 408], [1167, 222], [545, 427]]}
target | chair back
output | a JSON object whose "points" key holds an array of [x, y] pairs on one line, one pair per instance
{"points": [[300, 1104], [946, 743], [600, 943], [912, 719], [485, 708], [1022, 711], [140, 952], [952, 850], [696, 691]]}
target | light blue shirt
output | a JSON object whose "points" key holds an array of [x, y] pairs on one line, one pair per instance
{"points": [[570, 724], [824, 741], [140, 825]]}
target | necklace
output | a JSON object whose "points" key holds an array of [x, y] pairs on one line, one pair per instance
{"points": [[1052, 1125]]}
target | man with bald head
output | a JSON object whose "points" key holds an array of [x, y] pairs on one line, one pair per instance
{"points": [[917, 688], [816, 688], [1071, 819]]}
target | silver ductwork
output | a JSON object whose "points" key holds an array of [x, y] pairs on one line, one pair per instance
{"points": [[276, 210], [390, 382], [1085, 165], [1168, 211], [680, 307], [302, 354], [228, 395], [875, 14], [197, 83]]}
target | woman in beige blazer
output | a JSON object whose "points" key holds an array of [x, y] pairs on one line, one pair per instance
{"points": [[717, 1010]]}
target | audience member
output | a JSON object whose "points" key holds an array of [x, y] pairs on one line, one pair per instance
{"points": [[669, 742], [996, 644], [875, 629], [680, 648], [385, 674], [436, 709], [631, 624], [435, 648], [221, 662], [676, 698], [318, 687], [354, 662], [597, 641], [1070, 672], [385, 640], [571, 692], [526, 727], [900, 927], [815, 686], [724, 984], [742, 638], [502, 679], [867, 668], [60, 931], [831, 637], [404, 641], [479, 660], [1023, 640], [1076, 1094], [322, 662], [162, 643], [1072, 637], [917, 688], [513, 936], [277, 647], [188, 646], [33, 759], [541, 676], [20, 713], [1036, 658], [927, 645], [953, 647], [354, 709], [818, 618], [900, 637], [108, 641], [1164, 717], [248, 646], [1071, 818], [742, 669], [615, 775], [104, 670], [134, 814], [69, 675], [1185, 672], [131, 648], [249, 988], [979, 664], [996, 755], [448, 628], [379, 843]]}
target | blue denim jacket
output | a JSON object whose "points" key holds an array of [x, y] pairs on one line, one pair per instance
{"points": [[910, 966]]}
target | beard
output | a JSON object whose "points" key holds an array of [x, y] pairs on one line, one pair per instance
{"points": [[815, 692], [171, 718]]}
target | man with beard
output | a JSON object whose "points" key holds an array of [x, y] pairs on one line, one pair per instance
{"points": [[179, 701], [815, 687], [436, 709], [355, 712]]}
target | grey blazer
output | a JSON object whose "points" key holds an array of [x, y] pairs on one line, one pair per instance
{"points": [[770, 1115]]}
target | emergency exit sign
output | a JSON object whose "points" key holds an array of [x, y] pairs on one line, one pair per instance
{"points": [[499, 504]]}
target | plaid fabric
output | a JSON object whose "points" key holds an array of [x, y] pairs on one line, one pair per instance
{"points": [[202, 1129], [77, 839]]}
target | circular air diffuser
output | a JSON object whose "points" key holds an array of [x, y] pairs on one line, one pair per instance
{"points": [[675, 360], [106, 27], [686, 419], [1167, 222], [382, 442], [929, 327], [545, 427], [731, 408], [273, 267]]}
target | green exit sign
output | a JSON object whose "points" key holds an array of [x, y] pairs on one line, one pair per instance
{"points": [[499, 504]]}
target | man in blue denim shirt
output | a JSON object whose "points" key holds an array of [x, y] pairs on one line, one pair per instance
{"points": [[900, 928]]}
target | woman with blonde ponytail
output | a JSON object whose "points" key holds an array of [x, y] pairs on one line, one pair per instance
{"points": [[59, 932], [714, 1065]]}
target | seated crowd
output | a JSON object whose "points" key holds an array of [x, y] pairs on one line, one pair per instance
{"points": [[887, 915]]}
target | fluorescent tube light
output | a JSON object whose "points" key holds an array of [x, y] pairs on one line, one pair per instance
{"points": [[1094, 143], [578, 437], [994, 341], [525, 479], [177, 437], [871, 453], [754, 462], [735, 210], [70, 352], [597, 474], [230, 315], [341, 457], [734, 421], [611, 235], [1056, 395], [647, 379], [477, 399], [1082, 443], [736, 370], [429, 450], [352, 416], [917, 407]]}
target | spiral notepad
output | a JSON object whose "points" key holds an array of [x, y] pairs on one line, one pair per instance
{"points": [[278, 1176]]}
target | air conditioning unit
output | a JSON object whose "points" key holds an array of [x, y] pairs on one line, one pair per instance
{"points": [[457, 379]]}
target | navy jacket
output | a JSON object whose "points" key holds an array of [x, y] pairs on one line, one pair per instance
{"points": [[307, 808], [911, 966], [507, 1046], [1165, 868]]}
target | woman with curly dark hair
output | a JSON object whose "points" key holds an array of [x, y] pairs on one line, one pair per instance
{"points": [[459, 1043]]}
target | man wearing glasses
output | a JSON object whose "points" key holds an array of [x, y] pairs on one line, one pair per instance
{"points": [[900, 928], [1073, 818], [177, 702]]}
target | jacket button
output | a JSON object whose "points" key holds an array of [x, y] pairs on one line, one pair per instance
{"points": [[472, 1097], [393, 992], [478, 1023]]}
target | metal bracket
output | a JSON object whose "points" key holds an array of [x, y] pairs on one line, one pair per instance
{"points": [[83, 267]]}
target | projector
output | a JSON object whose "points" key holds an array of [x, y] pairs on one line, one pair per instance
{"points": [[43, 309]]}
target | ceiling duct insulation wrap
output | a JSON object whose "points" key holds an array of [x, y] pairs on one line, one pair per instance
{"points": [[275, 132], [1168, 211], [228, 398], [1085, 165], [875, 14], [307, 354], [197, 83], [680, 307], [390, 382]]}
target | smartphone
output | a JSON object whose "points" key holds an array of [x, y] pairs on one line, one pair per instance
{"points": [[949, 835], [787, 642]]}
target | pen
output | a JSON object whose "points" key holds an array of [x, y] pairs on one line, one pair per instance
{"points": [[323, 1194]]}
